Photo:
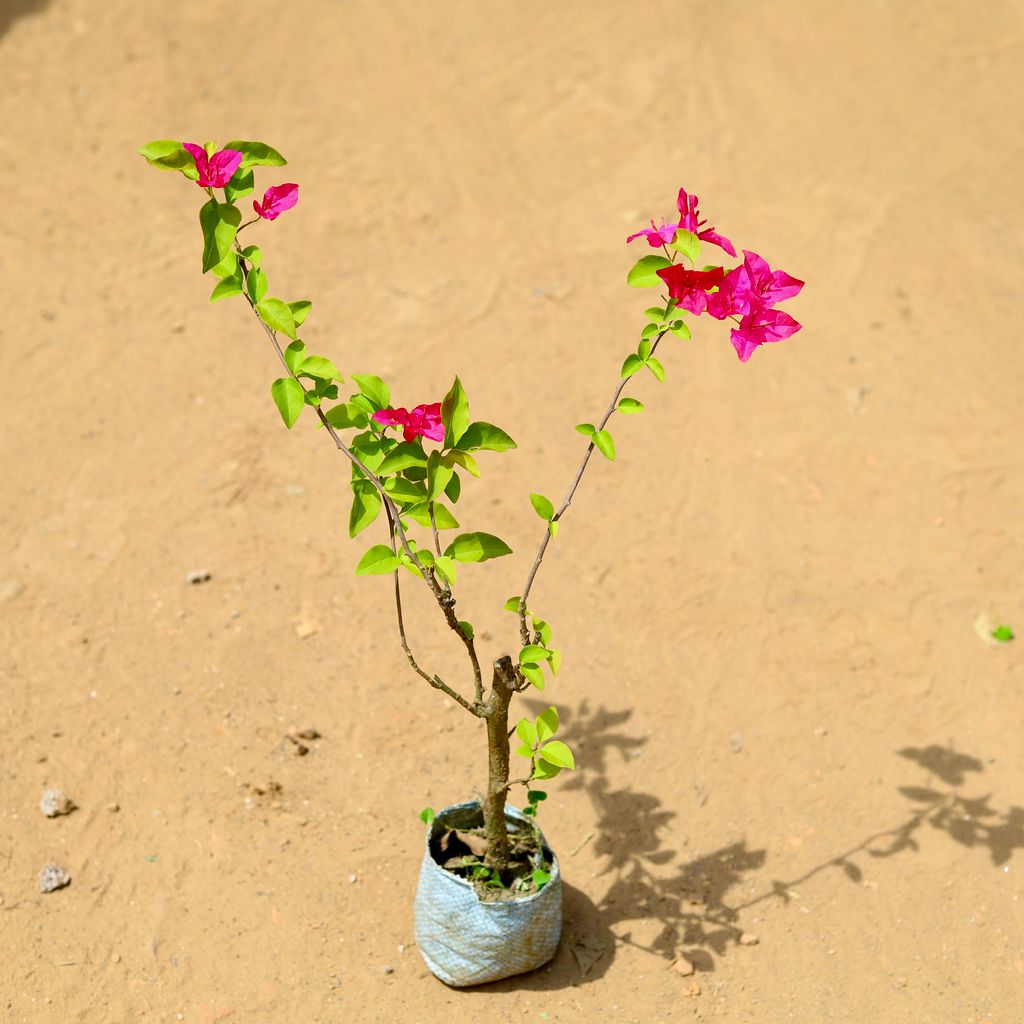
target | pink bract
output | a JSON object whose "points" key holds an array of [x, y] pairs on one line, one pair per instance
{"points": [[689, 215], [656, 237], [276, 200], [690, 287], [770, 287], [759, 328], [735, 295], [214, 171], [423, 421]]}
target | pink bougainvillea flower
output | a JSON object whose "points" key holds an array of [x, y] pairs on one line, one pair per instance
{"points": [[423, 421], [689, 221], [214, 171], [276, 200], [735, 295], [770, 287], [656, 237], [690, 287], [760, 327]]}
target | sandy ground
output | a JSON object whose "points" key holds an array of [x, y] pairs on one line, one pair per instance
{"points": [[787, 722]]}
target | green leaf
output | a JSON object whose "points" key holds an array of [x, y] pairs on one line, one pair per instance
{"points": [[547, 724], [256, 284], [455, 415], [553, 528], [1003, 634], [219, 222], [467, 629], [545, 769], [443, 518], [403, 456], [256, 153], [679, 329], [630, 405], [540, 878], [370, 451], [644, 349], [446, 567], [374, 388], [535, 796], [477, 547], [526, 731], [311, 398], [604, 444], [380, 559], [167, 155], [486, 436], [438, 475], [403, 490], [277, 316], [427, 815], [300, 310], [293, 356], [630, 366], [525, 751], [687, 243], [512, 604], [254, 254], [655, 313], [649, 330], [542, 506], [454, 488], [532, 653], [289, 397], [228, 267], [557, 753], [319, 366], [586, 429], [226, 287], [555, 661], [544, 631], [366, 505], [463, 459], [644, 274], [241, 184], [532, 672], [656, 368]]}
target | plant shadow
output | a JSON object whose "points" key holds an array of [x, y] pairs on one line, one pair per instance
{"points": [[691, 909], [11, 10]]}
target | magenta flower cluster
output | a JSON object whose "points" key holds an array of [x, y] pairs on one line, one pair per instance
{"points": [[747, 294], [423, 421], [217, 170]]}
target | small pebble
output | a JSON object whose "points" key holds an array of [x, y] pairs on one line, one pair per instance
{"points": [[353, 878], [198, 576], [736, 743], [116, 958], [684, 967], [52, 878], [387, 970], [113, 808], [748, 939], [54, 803]]}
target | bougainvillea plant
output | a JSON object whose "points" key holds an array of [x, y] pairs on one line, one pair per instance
{"points": [[408, 464]]}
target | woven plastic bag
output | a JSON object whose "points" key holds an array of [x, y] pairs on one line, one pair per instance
{"points": [[466, 941]]}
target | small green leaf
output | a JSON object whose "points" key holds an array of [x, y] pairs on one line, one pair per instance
{"points": [[256, 284], [311, 398], [300, 310], [380, 559], [477, 547], [553, 528], [648, 331], [543, 630], [454, 488], [544, 769], [402, 457], [512, 604], [679, 329], [427, 815], [527, 731], [535, 796], [226, 287], [228, 267], [447, 568], [630, 366], [547, 725], [289, 397], [656, 368], [467, 629], [438, 475], [542, 506], [374, 388], [294, 354], [557, 753], [532, 653], [630, 405], [687, 243], [525, 751], [443, 518], [586, 429], [644, 273], [540, 878], [486, 436], [241, 184], [256, 154], [644, 349], [167, 155], [366, 505], [320, 367], [403, 490], [254, 254], [1003, 634], [455, 415], [655, 313], [463, 459], [277, 316], [532, 672], [555, 661], [604, 444], [219, 222]]}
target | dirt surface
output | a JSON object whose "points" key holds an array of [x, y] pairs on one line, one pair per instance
{"points": [[789, 729]]}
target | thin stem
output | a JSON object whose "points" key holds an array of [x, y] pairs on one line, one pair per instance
{"points": [[523, 630]]}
